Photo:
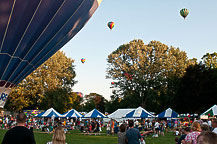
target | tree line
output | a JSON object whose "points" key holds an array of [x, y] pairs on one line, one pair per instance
{"points": [[154, 76]]}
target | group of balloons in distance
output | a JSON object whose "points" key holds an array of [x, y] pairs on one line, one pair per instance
{"points": [[183, 12]]}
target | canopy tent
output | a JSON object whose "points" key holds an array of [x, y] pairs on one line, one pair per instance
{"points": [[138, 113], [49, 113], [169, 113], [211, 111], [94, 114], [72, 114], [119, 113]]}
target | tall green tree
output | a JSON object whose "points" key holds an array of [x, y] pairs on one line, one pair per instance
{"points": [[197, 90], [94, 100], [141, 71], [55, 75]]}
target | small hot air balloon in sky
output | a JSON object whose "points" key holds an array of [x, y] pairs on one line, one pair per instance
{"points": [[83, 60], [79, 94], [111, 25], [184, 12]]}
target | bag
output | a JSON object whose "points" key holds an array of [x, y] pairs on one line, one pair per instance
{"points": [[142, 142]]}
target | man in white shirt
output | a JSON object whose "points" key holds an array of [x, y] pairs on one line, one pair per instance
{"points": [[214, 125], [156, 127], [209, 123]]}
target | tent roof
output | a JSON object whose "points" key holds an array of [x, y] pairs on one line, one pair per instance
{"points": [[139, 113], [72, 114], [49, 113], [94, 114], [119, 113], [212, 111], [168, 113]]}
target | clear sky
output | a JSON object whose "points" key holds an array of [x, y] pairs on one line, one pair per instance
{"points": [[139, 19]]}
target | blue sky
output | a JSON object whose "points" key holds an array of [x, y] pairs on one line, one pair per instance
{"points": [[139, 19]]}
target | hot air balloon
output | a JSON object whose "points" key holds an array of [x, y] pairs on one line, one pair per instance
{"points": [[184, 12], [79, 94], [111, 25], [83, 60], [34, 30]]}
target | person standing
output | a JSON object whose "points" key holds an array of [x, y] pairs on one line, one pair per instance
{"points": [[113, 127], [214, 126], [133, 135], [108, 128], [59, 136], [122, 134], [19, 134]]}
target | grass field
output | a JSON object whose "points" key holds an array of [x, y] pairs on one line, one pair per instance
{"points": [[75, 137]]}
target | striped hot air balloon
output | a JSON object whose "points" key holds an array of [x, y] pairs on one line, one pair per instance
{"points": [[111, 25], [83, 60], [31, 31], [184, 12]]}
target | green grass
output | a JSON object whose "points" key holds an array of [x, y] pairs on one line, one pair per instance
{"points": [[74, 137]]}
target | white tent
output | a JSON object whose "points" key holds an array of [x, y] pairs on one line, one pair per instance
{"points": [[94, 114], [49, 113], [210, 112], [119, 113], [72, 114], [139, 113]]}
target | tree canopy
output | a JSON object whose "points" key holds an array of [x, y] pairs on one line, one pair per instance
{"points": [[48, 86], [156, 76], [142, 70]]}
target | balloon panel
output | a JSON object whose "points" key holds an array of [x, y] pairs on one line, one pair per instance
{"points": [[33, 31]]}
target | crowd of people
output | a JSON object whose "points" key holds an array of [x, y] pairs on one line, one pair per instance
{"points": [[128, 131], [199, 133]]}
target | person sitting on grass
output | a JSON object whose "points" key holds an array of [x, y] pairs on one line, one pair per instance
{"points": [[186, 131]]}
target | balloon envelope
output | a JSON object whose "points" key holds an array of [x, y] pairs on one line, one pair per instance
{"points": [[83, 60], [184, 12], [32, 31], [111, 25]]}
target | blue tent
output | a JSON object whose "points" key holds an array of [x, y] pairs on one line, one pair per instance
{"points": [[169, 113], [139, 113], [94, 114], [49, 113], [72, 114]]}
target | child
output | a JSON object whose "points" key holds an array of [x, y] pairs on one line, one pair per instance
{"points": [[108, 128]]}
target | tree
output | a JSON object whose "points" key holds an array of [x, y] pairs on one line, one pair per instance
{"points": [[141, 71], [94, 100], [197, 90], [210, 60], [55, 75]]}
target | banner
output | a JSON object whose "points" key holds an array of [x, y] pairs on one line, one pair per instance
{"points": [[4, 92], [32, 112]]}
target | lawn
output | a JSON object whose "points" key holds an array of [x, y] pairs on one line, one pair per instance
{"points": [[74, 137]]}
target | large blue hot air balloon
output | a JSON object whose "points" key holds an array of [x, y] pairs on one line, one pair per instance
{"points": [[31, 31]]}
